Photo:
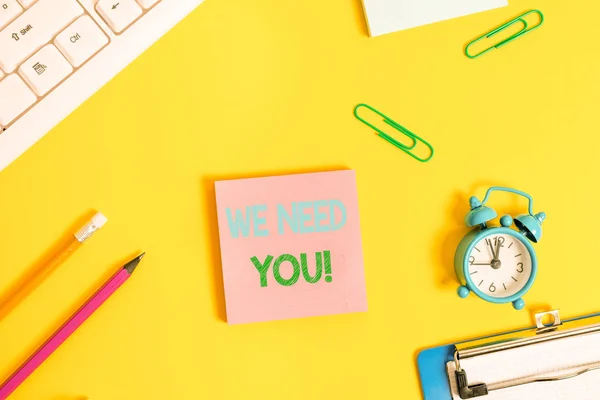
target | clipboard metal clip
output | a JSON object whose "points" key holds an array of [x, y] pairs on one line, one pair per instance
{"points": [[521, 19], [407, 148], [543, 327], [544, 332]]}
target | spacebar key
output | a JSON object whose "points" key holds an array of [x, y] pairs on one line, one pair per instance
{"points": [[34, 28]]}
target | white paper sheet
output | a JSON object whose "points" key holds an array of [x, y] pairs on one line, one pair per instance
{"points": [[561, 355], [385, 16]]}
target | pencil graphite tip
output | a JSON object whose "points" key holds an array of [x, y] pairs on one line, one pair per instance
{"points": [[131, 265]]}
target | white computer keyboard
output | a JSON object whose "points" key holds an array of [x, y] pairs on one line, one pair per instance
{"points": [[54, 54]]}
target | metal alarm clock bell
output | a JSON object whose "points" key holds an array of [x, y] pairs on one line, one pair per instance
{"points": [[498, 264]]}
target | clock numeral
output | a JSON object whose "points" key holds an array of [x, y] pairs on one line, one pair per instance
{"points": [[492, 288], [471, 260], [520, 269], [499, 239]]}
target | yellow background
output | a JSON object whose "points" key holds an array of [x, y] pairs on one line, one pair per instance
{"points": [[250, 88]]}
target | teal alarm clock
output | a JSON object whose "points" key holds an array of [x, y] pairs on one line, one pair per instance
{"points": [[498, 264]]}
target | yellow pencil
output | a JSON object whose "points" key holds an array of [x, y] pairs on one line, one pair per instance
{"points": [[38, 273]]}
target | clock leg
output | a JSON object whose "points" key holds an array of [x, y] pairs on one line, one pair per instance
{"points": [[518, 304], [463, 291]]}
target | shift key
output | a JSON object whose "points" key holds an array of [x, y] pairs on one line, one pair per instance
{"points": [[33, 29]]}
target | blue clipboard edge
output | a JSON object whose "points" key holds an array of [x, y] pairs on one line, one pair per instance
{"points": [[431, 364]]}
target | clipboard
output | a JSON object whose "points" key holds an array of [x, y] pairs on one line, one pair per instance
{"points": [[530, 360]]}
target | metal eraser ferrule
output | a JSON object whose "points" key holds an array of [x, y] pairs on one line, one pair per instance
{"points": [[88, 230]]}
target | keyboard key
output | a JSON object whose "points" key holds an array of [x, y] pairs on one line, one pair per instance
{"points": [[118, 14], [15, 97], [45, 70], [34, 28], [9, 10], [147, 3], [81, 40], [27, 3]]}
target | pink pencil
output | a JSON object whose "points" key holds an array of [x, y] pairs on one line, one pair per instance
{"points": [[63, 333]]}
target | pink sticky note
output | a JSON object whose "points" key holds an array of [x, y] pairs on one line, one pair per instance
{"points": [[291, 246]]}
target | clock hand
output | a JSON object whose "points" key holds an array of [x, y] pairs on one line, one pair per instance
{"points": [[489, 243], [490, 264], [498, 250]]}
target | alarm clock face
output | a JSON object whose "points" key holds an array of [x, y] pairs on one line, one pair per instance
{"points": [[500, 265]]}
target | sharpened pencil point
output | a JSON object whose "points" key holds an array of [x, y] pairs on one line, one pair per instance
{"points": [[131, 265]]}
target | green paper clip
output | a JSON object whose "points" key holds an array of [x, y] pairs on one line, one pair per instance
{"points": [[519, 19], [405, 148]]}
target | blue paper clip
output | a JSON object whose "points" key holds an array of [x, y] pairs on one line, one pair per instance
{"points": [[405, 148], [520, 19]]}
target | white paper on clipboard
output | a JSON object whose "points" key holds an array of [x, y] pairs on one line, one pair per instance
{"points": [[386, 16]]}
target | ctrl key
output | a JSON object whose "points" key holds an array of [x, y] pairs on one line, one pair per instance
{"points": [[80, 41], [15, 98]]}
